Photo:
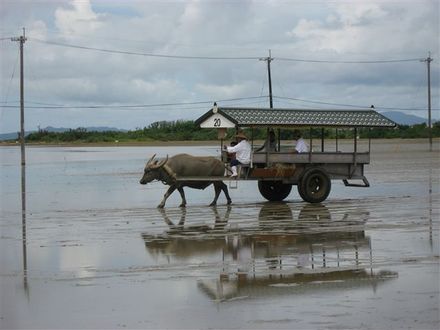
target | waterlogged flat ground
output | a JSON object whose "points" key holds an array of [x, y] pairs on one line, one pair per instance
{"points": [[92, 251]]}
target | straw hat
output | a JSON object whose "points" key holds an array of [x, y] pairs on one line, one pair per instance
{"points": [[241, 136]]}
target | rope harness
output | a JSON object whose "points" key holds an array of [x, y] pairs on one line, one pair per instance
{"points": [[172, 176]]}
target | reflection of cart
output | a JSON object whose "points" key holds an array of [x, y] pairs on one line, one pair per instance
{"points": [[311, 172], [283, 250], [248, 286]]}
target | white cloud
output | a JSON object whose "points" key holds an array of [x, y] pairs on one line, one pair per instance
{"points": [[227, 91], [351, 27], [192, 15], [319, 30], [359, 13], [80, 19], [371, 28]]}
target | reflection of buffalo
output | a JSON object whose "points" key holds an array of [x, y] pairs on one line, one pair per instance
{"points": [[185, 241], [275, 232], [184, 165]]}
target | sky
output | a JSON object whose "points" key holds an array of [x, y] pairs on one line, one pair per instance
{"points": [[127, 64]]}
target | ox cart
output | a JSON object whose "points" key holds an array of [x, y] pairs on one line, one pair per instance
{"points": [[313, 171]]}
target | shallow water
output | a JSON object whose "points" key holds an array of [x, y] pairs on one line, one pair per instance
{"points": [[92, 250]]}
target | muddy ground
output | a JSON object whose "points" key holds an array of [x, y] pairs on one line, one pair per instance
{"points": [[91, 250]]}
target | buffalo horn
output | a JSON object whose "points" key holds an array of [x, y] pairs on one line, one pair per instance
{"points": [[151, 159], [160, 164]]}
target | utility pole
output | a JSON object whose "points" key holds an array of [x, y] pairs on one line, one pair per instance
{"points": [[269, 59], [428, 61], [22, 39]]}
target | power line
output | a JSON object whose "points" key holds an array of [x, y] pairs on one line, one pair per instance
{"points": [[32, 102], [322, 102], [12, 77], [179, 104], [349, 105], [102, 106], [184, 57], [347, 62], [193, 57]]}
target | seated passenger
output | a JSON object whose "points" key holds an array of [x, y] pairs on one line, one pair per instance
{"points": [[301, 145], [270, 141], [242, 153]]}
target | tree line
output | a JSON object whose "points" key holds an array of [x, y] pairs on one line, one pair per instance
{"points": [[181, 130]]}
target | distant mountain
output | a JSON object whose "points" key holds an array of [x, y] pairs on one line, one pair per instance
{"points": [[14, 136], [403, 118], [9, 136]]}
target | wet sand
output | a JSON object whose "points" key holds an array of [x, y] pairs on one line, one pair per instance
{"points": [[91, 250]]}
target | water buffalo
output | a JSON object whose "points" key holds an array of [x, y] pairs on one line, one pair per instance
{"points": [[184, 165]]}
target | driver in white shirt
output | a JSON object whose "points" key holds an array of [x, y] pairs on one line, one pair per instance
{"points": [[242, 153]]}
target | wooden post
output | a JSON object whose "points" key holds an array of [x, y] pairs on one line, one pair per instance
{"points": [[337, 148], [355, 140], [369, 139], [252, 147], [279, 140], [267, 147]]}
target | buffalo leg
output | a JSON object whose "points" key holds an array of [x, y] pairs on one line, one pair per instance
{"points": [[182, 194], [224, 187], [219, 186], [217, 190], [165, 197]]}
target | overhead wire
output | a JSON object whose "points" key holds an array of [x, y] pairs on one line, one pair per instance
{"points": [[6, 38], [10, 83], [101, 106], [113, 51], [125, 39], [194, 57], [237, 101], [12, 77], [347, 62], [351, 105], [187, 57], [33, 102]]}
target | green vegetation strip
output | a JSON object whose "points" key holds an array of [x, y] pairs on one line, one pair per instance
{"points": [[188, 131]]}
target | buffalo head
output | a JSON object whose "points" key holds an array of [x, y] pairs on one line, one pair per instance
{"points": [[152, 170]]}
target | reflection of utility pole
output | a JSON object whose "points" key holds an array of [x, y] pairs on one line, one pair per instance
{"points": [[428, 61], [22, 40], [269, 59], [23, 229]]}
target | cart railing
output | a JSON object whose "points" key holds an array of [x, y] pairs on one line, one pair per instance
{"points": [[313, 157]]}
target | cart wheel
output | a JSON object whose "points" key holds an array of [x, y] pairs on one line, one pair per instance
{"points": [[300, 190], [314, 185], [274, 190]]}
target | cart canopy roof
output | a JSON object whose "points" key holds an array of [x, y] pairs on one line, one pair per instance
{"points": [[228, 117]]}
